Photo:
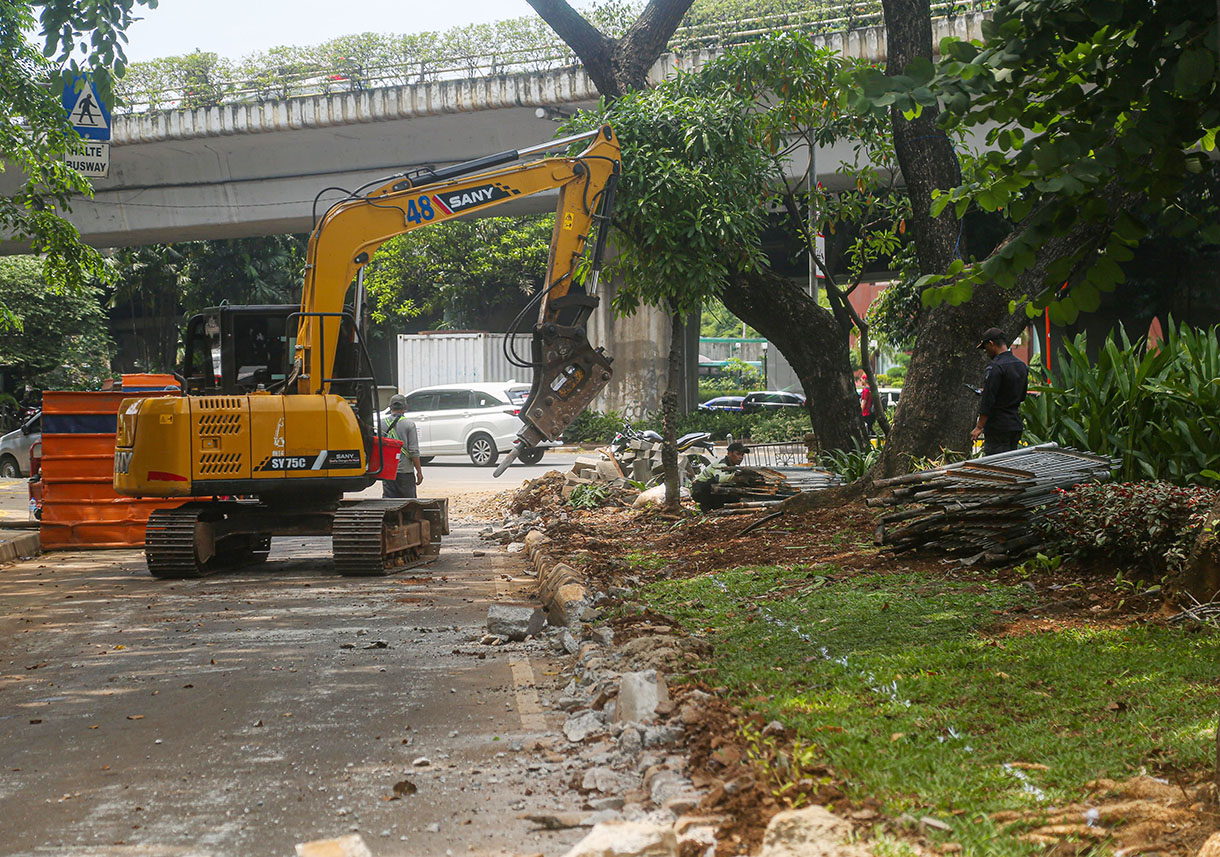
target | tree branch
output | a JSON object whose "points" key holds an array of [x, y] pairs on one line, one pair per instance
{"points": [[595, 50], [843, 305], [649, 36]]}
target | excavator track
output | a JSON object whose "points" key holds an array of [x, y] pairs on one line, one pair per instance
{"points": [[379, 537], [370, 537], [180, 543]]}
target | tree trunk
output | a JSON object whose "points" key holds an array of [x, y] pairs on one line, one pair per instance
{"points": [[812, 341], [616, 66], [669, 417], [1199, 578], [937, 408]]}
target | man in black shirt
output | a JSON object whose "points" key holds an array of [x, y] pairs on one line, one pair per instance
{"points": [[1004, 385]]}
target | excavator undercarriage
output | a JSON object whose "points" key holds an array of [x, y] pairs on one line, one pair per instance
{"points": [[371, 537]]}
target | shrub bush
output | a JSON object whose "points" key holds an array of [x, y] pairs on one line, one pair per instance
{"points": [[1158, 410], [779, 425], [1149, 526], [735, 374], [851, 464]]}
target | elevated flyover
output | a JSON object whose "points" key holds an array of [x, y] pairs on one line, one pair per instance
{"points": [[255, 168]]}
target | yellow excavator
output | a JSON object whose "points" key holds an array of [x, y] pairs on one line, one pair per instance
{"points": [[278, 412]]}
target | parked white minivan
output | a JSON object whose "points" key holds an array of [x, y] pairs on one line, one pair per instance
{"points": [[478, 420]]}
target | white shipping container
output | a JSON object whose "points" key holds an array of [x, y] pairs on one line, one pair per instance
{"points": [[429, 359]]}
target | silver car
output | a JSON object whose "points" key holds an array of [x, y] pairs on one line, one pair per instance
{"points": [[478, 420], [15, 448]]}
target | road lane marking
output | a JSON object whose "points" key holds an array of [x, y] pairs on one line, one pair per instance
{"points": [[529, 706]]}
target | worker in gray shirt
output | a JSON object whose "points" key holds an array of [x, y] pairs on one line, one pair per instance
{"points": [[401, 428]]}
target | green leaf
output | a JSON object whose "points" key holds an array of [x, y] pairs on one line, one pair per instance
{"points": [[932, 297], [959, 293], [1194, 71], [1128, 228], [1087, 297], [920, 70]]}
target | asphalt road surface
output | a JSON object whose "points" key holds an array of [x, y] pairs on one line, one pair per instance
{"points": [[242, 714]]}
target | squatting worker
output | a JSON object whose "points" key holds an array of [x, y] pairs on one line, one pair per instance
{"points": [[1004, 386], [718, 473], [401, 428]]}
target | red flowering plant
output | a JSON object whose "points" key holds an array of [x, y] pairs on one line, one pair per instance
{"points": [[1146, 526]]}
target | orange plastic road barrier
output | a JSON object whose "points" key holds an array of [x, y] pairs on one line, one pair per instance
{"points": [[79, 506], [141, 382]]}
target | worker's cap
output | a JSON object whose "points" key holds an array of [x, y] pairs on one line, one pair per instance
{"points": [[398, 403], [738, 446], [993, 334]]}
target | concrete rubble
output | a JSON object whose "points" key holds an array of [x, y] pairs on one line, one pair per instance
{"points": [[514, 622], [627, 839], [1211, 848], [621, 745], [810, 832], [639, 694]]}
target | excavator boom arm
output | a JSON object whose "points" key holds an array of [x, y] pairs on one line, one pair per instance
{"points": [[568, 373]]}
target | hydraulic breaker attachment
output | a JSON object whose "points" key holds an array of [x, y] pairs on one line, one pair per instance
{"points": [[568, 375]]}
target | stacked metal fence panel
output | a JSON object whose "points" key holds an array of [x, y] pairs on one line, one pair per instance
{"points": [[80, 508], [985, 509], [793, 453]]}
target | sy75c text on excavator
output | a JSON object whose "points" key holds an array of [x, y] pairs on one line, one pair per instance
{"points": [[277, 416]]}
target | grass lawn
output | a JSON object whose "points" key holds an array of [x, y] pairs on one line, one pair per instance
{"points": [[924, 693]]}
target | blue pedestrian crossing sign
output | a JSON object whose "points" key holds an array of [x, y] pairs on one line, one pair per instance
{"points": [[85, 110]]}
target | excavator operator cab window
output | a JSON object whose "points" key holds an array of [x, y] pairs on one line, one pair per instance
{"points": [[202, 365], [258, 346], [235, 350]]}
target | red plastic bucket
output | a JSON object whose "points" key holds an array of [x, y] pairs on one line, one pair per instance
{"points": [[385, 450]]}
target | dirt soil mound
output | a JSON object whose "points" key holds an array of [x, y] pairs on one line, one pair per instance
{"points": [[1141, 815]]}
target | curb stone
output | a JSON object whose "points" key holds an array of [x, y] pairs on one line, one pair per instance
{"points": [[21, 546], [562, 590]]}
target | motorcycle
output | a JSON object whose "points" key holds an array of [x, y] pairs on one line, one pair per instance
{"points": [[639, 452]]}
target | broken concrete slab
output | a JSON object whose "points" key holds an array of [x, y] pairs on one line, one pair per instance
{"points": [[810, 832], [602, 779], [568, 642], [516, 622], [627, 839], [344, 846], [583, 725], [534, 539], [639, 694]]}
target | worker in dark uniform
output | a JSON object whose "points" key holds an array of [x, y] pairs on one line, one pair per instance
{"points": [[719, 473], [1005, 383]]}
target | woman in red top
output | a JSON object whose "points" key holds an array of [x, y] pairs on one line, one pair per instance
{"points": [[866, 407]]}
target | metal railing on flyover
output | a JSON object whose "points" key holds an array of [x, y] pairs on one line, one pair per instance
{"points": [[276, 84]]}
